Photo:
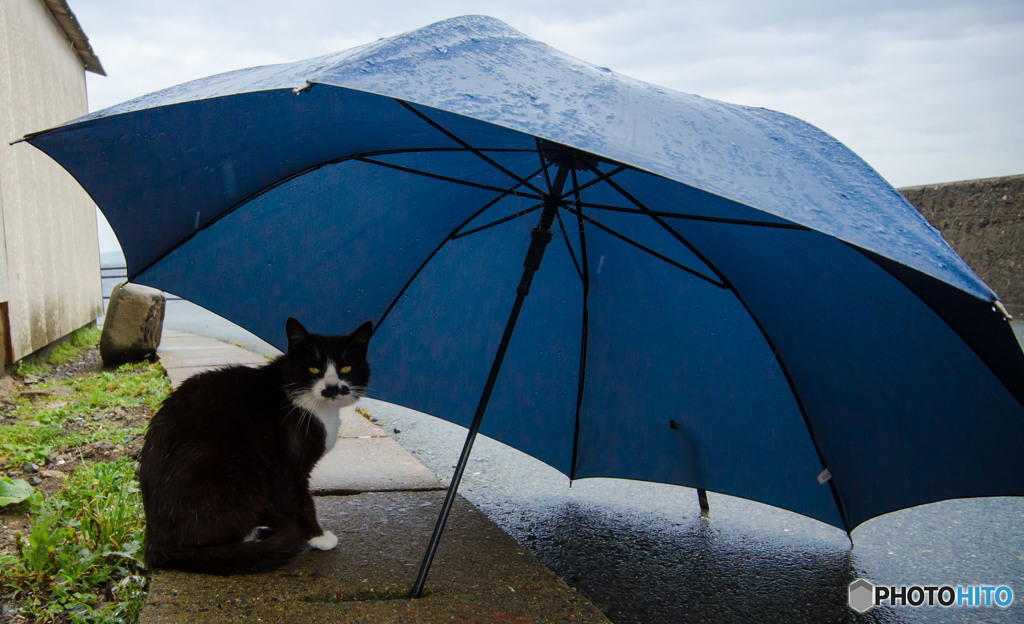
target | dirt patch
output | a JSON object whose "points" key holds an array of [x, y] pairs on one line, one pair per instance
{"points": [[13, 520], [89, 362]]}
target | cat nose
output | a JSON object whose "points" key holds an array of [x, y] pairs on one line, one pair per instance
{"points": [[330, 392]]}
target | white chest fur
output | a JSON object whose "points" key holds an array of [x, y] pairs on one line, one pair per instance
{"points": [[330, 418]]}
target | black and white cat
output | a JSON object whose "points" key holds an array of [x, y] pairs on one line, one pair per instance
{"points": [[224, 470]]}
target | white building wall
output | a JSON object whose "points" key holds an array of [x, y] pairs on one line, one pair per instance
{"points": [[49, 274]]}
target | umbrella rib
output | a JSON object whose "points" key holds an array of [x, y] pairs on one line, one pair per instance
{"points": [[451, 135], [689, 217], [721, 284], [601, 177], [584, 326], [764, 333], [511, 191], [679, 237], [606, 177], [546, 164], [587, 161], [565, 236], [521, 213], [421, 150], [435, 176], [803, 411], [451, 236], [364, 157]]}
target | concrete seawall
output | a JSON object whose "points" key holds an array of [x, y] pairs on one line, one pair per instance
{"points": [[984, 222]]}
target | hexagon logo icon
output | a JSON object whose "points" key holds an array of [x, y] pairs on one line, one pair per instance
{"points": [[862, 595]]}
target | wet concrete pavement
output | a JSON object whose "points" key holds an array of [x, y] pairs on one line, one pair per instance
{"points": [[480, 576], [643, 553]]}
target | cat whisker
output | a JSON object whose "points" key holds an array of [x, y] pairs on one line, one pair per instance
{"points": [[360, 390]]}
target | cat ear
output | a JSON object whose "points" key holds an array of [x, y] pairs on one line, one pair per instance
{"points": [[296, 332], [363, 333]]}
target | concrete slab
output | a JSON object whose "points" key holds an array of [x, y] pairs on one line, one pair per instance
{"points": [[480, 575], [172, 340], [355, 425], [370, 465], [212, 359], [178, 374], [183, 355]]}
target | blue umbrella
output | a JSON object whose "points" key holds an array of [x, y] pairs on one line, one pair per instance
{"points": [[713, 295]]}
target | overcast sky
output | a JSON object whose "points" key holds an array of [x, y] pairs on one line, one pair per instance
{"points": [[925, 91]]}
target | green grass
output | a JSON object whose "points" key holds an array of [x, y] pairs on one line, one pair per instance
{"points": [[87, 337], [82, 558], [57, 423]]}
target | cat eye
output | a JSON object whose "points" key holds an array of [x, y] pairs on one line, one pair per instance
{"points": [[314, 370], [346, 369]]}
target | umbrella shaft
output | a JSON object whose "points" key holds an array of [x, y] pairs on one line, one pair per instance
{"points": [[539, 239], [538, 243], [467, 448]]}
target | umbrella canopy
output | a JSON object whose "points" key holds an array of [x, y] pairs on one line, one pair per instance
{"points": [[732, 300]]}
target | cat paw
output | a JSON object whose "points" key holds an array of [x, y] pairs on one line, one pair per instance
{"points": [[326, 541]]}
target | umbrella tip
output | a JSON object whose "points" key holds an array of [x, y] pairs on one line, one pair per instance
{"points": [[999, 307]]}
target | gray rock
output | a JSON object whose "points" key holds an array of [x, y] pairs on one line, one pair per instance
{"points": [[133, 325]]}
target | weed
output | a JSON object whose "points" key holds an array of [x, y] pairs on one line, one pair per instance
{"points": [[62, 354], [33, 367], [22, 443], [85, 541], [13, 491], [87, 337]]}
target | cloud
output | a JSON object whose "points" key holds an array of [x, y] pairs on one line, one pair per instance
{"points": [[925, 91]]}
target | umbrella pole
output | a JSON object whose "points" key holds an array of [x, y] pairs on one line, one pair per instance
{"points": [[539, 239]]}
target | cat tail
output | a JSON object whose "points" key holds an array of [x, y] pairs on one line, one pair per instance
{"points": [[264, 555]]}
